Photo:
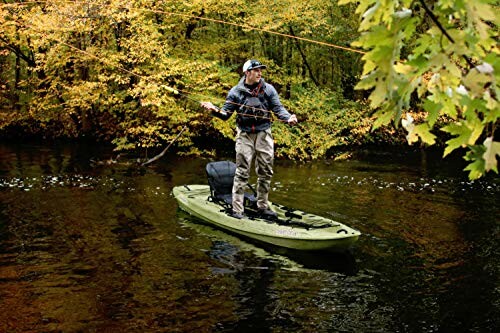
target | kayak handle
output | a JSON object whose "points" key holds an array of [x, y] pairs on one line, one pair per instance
{"points": [[292, 215]]}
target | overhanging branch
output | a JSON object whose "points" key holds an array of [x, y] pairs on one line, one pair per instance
{"points": [[443, 30]]}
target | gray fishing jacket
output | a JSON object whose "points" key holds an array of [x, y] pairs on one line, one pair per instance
{"points": [[253, 111]]}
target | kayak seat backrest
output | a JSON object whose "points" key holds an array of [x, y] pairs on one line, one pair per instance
{"points": [[220, 178]]}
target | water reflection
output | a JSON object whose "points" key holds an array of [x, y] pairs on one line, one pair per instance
{"points": [[104, 248], [225, 247]]}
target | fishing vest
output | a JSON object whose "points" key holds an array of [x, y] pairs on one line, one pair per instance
{"points": [[253, 115]]}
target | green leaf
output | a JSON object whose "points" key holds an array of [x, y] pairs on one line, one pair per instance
{"points": [[434, 68], [423, 131], [433, 111], [368, 81], [383, 118], [381, 55], [463, 134], [476, 169], [476, 127]]}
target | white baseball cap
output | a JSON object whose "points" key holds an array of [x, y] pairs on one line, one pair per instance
{"points": [[253, 64]]}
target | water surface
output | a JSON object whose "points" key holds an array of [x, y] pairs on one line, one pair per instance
{"points": [[87, 246]]}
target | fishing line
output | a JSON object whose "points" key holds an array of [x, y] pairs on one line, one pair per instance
{"points": [[201, 18], [174, 91], [147, 78]]}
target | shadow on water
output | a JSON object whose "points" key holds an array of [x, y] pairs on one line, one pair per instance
{"points": [[342, 262], [338, 262]]}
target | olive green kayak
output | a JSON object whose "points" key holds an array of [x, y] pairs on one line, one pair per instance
{"points": [[291, 229]]}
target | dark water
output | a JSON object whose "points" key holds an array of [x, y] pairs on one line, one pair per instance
{"points": [[102, 248]]}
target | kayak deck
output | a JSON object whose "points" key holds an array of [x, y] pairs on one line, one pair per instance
{"points": [[292, 229]]}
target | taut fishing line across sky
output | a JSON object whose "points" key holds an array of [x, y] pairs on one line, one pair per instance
{"points": [[157, 11]]}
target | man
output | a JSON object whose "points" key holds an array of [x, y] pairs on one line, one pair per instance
{"points": [[253, 99]]}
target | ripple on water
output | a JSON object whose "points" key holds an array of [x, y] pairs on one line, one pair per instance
{"points": [[83, 182]]}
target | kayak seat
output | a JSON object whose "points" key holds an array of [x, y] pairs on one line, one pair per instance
{"points": [[220, 176]]}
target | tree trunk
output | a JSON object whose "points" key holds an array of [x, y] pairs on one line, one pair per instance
{"points": [[304, 59]]}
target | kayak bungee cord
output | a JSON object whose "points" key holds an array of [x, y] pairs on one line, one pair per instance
{"points": [[201, 18]]}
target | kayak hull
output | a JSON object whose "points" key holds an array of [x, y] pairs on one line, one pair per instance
{"points": [[314, 233]]}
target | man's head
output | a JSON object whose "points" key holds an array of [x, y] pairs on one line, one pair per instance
{"points": [[253, 71]]}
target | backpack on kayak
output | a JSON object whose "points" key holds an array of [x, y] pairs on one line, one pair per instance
{"points": [[220, 176]]}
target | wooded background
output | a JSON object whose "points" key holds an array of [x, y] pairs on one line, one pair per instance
{"points": [[133, 72], [102, 69]]}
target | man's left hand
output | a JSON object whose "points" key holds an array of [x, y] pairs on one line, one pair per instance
{"points": [[292, 120]]}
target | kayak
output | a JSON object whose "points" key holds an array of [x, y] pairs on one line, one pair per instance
{"points": [[291, 228]]}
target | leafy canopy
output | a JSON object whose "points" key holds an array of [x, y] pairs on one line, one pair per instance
{"points": [[445, 56], [110, 69]]}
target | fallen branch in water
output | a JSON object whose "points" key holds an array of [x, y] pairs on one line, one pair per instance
{"points": [[160, 155], [105, 162]]}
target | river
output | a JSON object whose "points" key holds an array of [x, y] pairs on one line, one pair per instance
{"points": [[89, 246]]}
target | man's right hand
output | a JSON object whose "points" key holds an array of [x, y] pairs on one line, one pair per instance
{"points": [[209, 106]]}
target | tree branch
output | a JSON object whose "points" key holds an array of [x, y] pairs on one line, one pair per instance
{"points": [[443, 30], [160, 155], [18, 52]]}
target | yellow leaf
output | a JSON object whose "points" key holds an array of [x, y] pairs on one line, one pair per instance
{"points": [[402, 68], [423, 131], [378, 95], [492, 150]]}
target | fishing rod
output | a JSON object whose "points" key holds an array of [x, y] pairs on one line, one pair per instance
{"points": [[174, 91], [170, 89], [220, 110]]}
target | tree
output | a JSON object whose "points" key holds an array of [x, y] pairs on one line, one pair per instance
{"points": [[443, 55], [110, 69]]}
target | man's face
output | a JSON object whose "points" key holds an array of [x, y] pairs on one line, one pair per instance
{"points": [[253, 76]]}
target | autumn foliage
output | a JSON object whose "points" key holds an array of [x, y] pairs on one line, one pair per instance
{"points": [[133, 72], [441, 58]]}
